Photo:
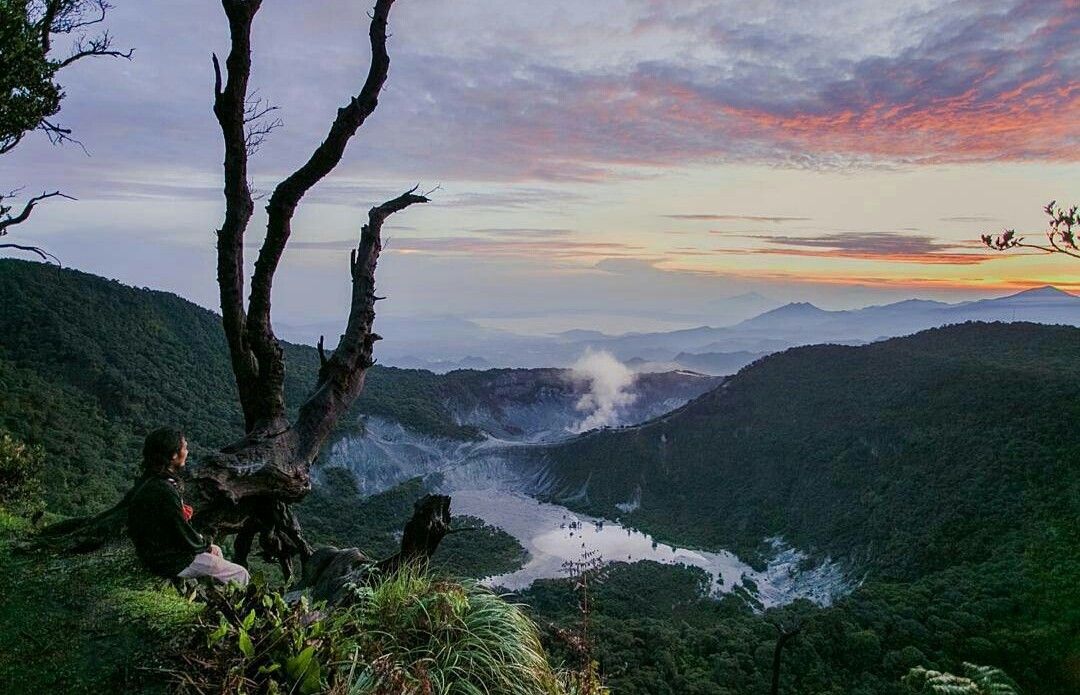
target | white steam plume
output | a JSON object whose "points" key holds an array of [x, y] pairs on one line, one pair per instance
{"points": [[608, 381]]}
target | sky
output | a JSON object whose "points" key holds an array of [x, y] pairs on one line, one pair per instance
{"points": [[614, 164]]}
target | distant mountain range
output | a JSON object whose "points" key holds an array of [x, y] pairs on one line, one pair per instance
{"points": [[801, 323], [446, 343], [1042, 305]]}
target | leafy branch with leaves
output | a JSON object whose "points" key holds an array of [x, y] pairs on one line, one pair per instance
{"points": [[1060, 234], [30, 96]]}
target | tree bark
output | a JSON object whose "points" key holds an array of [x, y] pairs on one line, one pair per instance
{"points": [[249, 484], [786, 635], [330, 571]]}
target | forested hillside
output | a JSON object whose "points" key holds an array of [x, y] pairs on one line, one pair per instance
{"points": [[942, 467], [909, 455], [88, 366]]}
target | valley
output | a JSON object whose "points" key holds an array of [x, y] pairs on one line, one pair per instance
{"points": [[496, 478], [910, 502]]}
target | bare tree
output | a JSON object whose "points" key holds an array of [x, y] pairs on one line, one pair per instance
{"points": [[9, 218], [272, 463], [30, 97], [1060, 234], [248, 486]]}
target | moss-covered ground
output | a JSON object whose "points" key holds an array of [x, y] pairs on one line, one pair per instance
{"points": [[80, 624]]}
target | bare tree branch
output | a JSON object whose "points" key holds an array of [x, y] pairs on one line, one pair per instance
{"points": [[282, 204], [10, 143], [258, 124], [58, 135], [45, 255], [256, 353], [1059, 249], [341, 377], [7, 220], [97, 46]]}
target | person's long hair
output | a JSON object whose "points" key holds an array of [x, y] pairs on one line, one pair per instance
{"points": [[159, 448]]}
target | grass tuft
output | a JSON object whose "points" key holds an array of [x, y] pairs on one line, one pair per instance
{"points": [[420, 633]]}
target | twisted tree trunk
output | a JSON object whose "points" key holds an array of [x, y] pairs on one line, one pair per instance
{"points": [[247, 487]]}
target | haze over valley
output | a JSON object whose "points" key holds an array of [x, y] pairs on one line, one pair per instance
{"points": [[445, 343]]}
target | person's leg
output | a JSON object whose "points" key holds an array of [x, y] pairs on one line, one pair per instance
{"points": [[242, 545], [217, 568]]}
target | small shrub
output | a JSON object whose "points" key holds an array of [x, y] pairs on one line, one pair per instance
{"points": [[253, 641], [420, 634], [410, 633], [20, 468]]}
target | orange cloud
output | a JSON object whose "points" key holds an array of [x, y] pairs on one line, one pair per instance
{"points": [[894, 247], [897, 257], [1027, 122]]}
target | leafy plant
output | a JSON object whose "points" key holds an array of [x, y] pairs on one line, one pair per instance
{"points": [[30, 95], [260, 643], [410, 632], [977, 680], [422, 634]]}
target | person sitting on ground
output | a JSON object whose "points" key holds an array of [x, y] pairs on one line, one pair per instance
{"points": [[159, 522]]}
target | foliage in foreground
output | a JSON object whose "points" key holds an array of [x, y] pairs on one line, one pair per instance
{"points": [[98, 622], [412, 632], [28, 94], [977, 680], [655, 633]]}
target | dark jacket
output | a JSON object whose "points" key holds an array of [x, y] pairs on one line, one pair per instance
{"points": [[164, 540]]}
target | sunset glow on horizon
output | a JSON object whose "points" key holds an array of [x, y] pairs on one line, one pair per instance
{"points": [[616, 156]]}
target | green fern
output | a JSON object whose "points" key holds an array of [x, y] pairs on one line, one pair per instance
{"points": [[977, 680]]}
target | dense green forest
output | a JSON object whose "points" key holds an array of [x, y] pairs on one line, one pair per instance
{"points": [[940, 466], [655, 634], [909, 455]]}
